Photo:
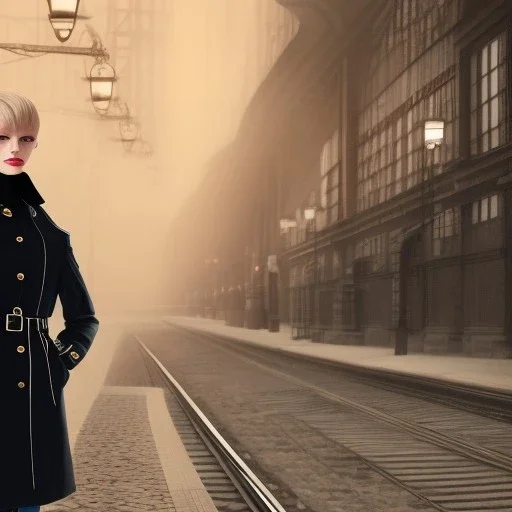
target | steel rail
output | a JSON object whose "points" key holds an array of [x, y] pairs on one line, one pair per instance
{"points": [[263, 500], [477, 453], [492, 403]]}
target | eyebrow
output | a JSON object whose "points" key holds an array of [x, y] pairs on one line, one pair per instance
{"points": [[4, 134]]}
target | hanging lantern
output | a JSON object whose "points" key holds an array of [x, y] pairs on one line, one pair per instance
{"points": [[102, 78], [62, 17], [128, 130]]}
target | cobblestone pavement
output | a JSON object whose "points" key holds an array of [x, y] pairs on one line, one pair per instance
{"points": [[117, 467], [128, 456], [291, 457]]}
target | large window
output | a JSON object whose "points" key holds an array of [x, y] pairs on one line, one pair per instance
{"points": [[489, 102], [330, 171], [412, 78], [390, 161], [485, 209], [446, 225], [374, 251]]}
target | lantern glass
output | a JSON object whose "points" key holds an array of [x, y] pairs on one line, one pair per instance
{"points": [[128, 130], [434, 133], [102, 80], [309, 213], [63, 25], [63, 17], [63, 7]]}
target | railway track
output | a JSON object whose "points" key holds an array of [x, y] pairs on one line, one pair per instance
{"points": [[228, 480], [435, 447], [487, 402]]}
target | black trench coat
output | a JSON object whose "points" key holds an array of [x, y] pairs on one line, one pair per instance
{"points": [[36, 266]]}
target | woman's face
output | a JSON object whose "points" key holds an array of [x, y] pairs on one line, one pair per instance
{"points": [[16, 147]]}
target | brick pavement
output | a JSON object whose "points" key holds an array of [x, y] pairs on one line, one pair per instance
{"points": [[127, 454], [129, 458]]}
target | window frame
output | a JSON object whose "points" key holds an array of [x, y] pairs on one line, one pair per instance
{"points": [[490, 30], [478, 205], [446, 225], [330, 177]]}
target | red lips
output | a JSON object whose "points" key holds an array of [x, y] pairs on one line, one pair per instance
{"points": [[14, 161]]}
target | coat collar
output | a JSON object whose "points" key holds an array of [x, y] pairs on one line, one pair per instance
{"points": [[14, 188]]}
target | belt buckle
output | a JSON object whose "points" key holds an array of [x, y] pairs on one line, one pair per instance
{"points": [[14, 321]]}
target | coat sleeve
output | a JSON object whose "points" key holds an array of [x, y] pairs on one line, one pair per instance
{"points": [[81, 324]]}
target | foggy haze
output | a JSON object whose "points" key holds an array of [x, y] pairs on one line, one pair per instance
{"points": [[187, 89]]}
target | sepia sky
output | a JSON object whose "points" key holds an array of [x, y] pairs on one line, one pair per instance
{"points": [[188, 96]]}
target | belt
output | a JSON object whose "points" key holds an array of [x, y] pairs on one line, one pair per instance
{"points": [[15, 322]]}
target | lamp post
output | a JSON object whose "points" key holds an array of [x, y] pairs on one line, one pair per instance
{"points": [[62, 16], [285, 225], [433, 138], [310, 215]]}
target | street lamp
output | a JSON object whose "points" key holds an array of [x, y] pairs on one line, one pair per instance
{"points": [[101, 77], [433, 138], [129, 131], [63, 14], [310, 215]]}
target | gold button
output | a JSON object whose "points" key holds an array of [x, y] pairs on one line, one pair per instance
{"points": [[21, 349], [7, 212], [19, 239], [21, 384], [74, 355], [20, 276]]}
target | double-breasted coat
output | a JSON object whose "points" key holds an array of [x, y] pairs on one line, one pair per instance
{"points": [[37, 265]]}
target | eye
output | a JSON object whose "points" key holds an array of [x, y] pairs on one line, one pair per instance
{"points": [[4, 137], [28, 138]]}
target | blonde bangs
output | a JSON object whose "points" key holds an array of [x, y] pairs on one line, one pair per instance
{"points": [[18, 112]]}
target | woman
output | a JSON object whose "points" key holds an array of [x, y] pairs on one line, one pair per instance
{"points": [[36, 265]]}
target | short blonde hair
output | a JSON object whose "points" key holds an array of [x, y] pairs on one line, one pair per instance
{"points": [[18, 112]]}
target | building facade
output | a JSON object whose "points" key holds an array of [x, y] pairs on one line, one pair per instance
{"points": [[406, 237], [207, 250], [407, 245]]}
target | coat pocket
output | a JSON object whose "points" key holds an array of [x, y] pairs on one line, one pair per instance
{"points": [[57, 362], [64, 370]]}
